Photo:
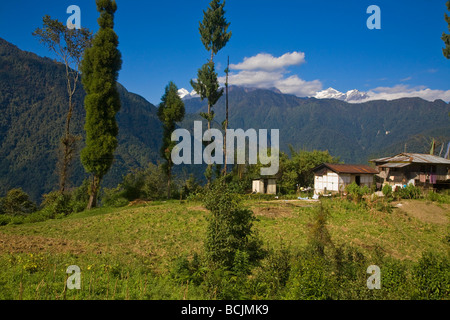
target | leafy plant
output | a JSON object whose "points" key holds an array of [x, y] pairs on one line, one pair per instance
{"points": [[17, 202], [230, 228]]}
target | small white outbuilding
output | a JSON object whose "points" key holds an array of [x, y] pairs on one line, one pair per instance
{"points": [[265, 186], [333, 178]]}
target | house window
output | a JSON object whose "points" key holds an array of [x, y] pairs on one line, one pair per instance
{"points": [[358, 180]]}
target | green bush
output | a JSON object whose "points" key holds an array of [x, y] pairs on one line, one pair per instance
{"points": [[230, 228], [147, 184], [441, 197], [431, 277], [356, 192], [17, 202], [387, 191], [409, 192], [4, 220], [56, 203], [114, 197], [310, 279]]}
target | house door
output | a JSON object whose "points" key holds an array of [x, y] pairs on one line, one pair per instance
{"points": [[358, 180]]}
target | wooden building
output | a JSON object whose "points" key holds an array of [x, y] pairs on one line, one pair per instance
{"points": [[414, 168], [333, 178]]}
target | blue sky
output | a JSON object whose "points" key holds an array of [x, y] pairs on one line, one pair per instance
{"points": [[300, 47]]}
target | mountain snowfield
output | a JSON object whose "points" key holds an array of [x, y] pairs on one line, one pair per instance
{"points": [[185, 94], [351, 96], [330, 93]]}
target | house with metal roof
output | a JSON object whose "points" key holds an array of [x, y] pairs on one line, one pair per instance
{"points": [[425, 170], [333, 178]]}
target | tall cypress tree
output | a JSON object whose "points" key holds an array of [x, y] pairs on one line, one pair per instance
{"points": [[446, 37], [214, 28], [171, 110], [100, 70], [214, 35]]}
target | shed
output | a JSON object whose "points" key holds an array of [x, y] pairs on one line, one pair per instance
{"points": [[333, 178], [265, 186]]}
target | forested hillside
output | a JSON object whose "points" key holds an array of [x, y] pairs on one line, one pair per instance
{"points": [[355, 132], [33, 104]]}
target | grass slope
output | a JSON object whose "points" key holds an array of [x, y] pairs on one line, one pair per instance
{"points": [[128, 253]]}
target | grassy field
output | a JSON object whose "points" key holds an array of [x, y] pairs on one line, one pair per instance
{"points": [[128, 253]]}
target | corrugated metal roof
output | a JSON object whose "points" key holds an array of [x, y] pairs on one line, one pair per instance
{"points": [[349, 168], [394, 165], [413, 158]]}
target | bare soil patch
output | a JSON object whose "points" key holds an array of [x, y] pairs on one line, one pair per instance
{"points": [[10, 243], [425, 211]]}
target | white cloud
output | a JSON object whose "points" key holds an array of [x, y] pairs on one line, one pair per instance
{"points": [[299, 87], [267, 62], [266, 71]]}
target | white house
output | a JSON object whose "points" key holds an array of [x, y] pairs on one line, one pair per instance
{"points": [[333, 178]]}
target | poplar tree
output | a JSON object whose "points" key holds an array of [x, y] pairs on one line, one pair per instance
{"points": [[100, 70], [171, 110], [446, 37], [68, 45], [214, 35]]}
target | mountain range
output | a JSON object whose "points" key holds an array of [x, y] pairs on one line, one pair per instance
{"points": [[33, 103]]}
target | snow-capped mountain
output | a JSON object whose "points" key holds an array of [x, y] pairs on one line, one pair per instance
{"points": [[330, 93], [185, 94], [350, 96], [355, 95]]}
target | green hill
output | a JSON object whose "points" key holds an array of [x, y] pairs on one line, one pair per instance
{"points": [[33, 104]]}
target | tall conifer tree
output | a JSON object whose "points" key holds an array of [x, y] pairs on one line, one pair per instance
{"points": [[100, 70], [171, 110], [214, 35]]}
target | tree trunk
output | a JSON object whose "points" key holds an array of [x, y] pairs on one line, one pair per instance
{"points": [[169, 177], [68, 144], [95, 185]]}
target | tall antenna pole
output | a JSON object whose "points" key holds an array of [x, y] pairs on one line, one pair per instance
{"points": [[226, 118]]}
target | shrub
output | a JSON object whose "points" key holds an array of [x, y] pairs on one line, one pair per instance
{"points": [[387, 191], [274, 273], [114, 197], [431, 277], [356, 192], [56, 203], [409, 192], [318, 236], [230, 228], [310, 279], [4, 220], [60, 204], [441, 197], [17, 202], [147, 184]]}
